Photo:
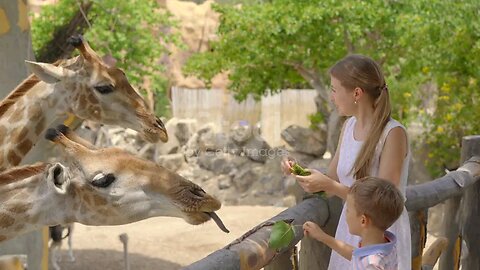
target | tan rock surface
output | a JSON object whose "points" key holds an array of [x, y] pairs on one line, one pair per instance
{"points": [[198, 25]]}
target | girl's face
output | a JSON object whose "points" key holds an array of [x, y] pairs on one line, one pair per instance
{"points": [[342, 98], [354, 220]]}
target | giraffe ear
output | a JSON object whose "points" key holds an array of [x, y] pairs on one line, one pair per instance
{"points": [[58, 178], [49, 73]]}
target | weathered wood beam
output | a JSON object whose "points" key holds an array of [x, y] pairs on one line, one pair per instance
{"points": [[251, 251], [452, 184]]}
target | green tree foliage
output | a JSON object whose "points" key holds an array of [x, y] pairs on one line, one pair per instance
{"points": [[134, 32], [279, 44]]}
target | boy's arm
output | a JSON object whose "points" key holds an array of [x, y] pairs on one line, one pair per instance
{"points": [[340, 247]]}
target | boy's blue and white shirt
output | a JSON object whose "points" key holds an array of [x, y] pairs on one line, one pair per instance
{"points": [[377, 257]]}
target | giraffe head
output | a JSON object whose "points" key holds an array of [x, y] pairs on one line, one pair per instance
{"points": [[92, 90], [115, 187]]}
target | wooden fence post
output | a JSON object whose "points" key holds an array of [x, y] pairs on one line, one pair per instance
{"points": [[450, 258], [470, 210], [418, 228], [314, 254], [281, 262]]}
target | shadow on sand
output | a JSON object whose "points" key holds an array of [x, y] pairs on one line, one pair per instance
{"points": [[101, 259]]}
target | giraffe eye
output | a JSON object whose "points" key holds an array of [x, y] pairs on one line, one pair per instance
{"points": [[104, 89], [103, 180]]}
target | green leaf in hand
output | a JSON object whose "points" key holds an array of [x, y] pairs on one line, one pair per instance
{"points": [[281, 236], [299, 170]]}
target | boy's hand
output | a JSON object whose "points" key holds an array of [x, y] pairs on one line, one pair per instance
{"points": [[312, 230]]}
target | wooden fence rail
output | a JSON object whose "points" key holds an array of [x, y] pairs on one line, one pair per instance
{"points": [[251, 251]]}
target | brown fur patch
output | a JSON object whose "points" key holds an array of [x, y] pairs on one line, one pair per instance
{"points": [[6, 220], [92, 99], [99, 201], [13, 158], [34, 111], [16, 116], [87, 199], [18, 208], [83, 101], [40, 126], [21, 172], [3, 238], [19, 134], [25, 146], [2, 159], [3, 133]]}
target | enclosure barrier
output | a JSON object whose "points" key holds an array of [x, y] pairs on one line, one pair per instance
{"points": [[251, 251]]}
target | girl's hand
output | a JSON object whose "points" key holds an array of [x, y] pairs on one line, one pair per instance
{"points": [[314, 182], [312, 230], [286, 165]]}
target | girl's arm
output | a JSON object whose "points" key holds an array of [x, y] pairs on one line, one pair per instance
{"points": [[393, 154]]}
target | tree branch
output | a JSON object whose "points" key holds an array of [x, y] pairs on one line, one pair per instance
{"points": [[312, 77], [58, 47]]}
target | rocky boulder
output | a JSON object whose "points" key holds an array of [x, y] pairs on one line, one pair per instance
{"points": [[305, 140]]}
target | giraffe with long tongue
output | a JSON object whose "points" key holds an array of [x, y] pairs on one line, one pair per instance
{"points": [[110, 186]]}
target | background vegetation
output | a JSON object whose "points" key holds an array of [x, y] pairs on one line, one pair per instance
{"points": [[135, 32], [429, 50]]}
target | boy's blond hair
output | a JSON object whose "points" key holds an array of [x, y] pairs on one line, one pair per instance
{"points": [[378, 199]]}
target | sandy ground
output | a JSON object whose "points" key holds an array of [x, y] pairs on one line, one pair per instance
{"points": [[159, 243]]}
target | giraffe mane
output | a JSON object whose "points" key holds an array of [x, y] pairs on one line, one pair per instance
{"points": [[21, 90], [21, 172]]}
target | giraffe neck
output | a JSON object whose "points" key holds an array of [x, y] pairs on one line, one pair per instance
{"points": [[22, 123], [29, 201]]}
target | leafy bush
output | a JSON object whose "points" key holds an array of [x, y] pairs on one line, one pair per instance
{"points": [[135, 32]]}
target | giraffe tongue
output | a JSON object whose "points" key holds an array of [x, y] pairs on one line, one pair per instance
{"points": [[218, 221]]}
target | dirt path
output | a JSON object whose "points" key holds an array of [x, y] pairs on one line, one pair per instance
{"points": [[159, 243]]}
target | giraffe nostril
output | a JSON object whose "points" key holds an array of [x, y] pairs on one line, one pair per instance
{"points": [[198, 192], [56, 176]]}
